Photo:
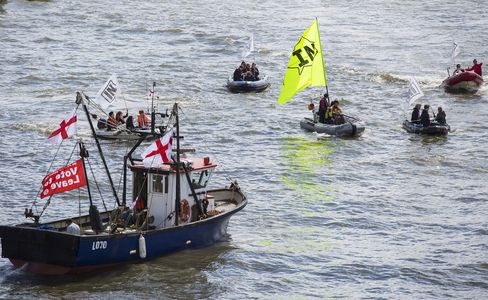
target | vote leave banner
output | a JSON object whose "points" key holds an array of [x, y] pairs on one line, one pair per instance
{"points": [[65, 179]]}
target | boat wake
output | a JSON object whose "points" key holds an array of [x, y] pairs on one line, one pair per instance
{"points": [[34, 127]]}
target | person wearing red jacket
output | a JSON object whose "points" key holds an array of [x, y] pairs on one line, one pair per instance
{"points": [[476, 67]]}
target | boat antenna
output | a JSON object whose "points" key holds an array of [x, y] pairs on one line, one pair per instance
{"points": [[82, 99]]}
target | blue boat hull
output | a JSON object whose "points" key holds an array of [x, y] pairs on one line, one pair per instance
{"points": [[45, 250]]}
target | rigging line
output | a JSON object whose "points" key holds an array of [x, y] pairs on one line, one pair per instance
{"points": [[49, 168], [208, 148], [96, 183], [49, 200], [122, 173]]}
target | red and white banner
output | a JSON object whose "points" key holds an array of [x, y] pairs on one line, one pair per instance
{"points": [[65, 179], [66, 128], [159, 152]]}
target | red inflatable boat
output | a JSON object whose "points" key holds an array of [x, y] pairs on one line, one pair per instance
{"points": [[467, 81]]}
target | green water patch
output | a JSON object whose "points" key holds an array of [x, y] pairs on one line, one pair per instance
{"points": [[305, 163]]}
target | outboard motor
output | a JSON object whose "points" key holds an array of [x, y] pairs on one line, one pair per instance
{"points": [[95, 221]]}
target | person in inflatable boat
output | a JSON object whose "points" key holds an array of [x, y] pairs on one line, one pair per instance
{"points": [[476, 67]]}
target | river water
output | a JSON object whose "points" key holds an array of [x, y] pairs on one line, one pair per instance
{"points": [[387, 215]]}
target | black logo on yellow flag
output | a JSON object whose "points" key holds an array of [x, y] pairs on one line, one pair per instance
{"points": [[305, 54]]}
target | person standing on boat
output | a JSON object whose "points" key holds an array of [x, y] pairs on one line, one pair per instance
{"points": [[111, 122], [425, 117], [441, 116], [458, 70], [476, 67], [416, 114], [323, 104], [143, 119]]}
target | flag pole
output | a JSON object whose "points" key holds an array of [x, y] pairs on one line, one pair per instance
{"points": [[178, 182]]}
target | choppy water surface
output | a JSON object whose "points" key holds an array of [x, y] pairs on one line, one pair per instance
{"points": [[388, 215]]}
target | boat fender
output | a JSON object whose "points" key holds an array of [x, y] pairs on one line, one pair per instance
{"points": [[354, 129], [184, 210], [142, 247]]}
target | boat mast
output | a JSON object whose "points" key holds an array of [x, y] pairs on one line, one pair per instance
{"points": [[82, 99], [178, 183], [153, 113]]}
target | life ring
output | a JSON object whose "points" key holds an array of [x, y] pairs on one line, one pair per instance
{"points": [[184, 210]]}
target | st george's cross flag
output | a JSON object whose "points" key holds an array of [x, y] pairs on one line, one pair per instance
{"points": [[66, 128], [159, 152]]}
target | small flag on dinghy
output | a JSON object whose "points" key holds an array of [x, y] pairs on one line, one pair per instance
{"points": [[159, 152], [306, 65], [66, 128], [109, 93], [249, 49], [414, 92], [454, 53], [65, 179]]}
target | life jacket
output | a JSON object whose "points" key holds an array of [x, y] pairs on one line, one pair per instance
{"points": [[328, 113], [336, 110], [111, 123], [140, 121]]}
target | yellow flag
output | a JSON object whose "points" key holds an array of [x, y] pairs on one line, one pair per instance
{"points": [[306, 66]]}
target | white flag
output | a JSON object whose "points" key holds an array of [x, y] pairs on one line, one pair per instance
{"points": [[414, 92], [109, 93], [66, 128], [159, 152], [454, 53], [250, 48]]}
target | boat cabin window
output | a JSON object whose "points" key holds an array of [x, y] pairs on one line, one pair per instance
{"points": [[140, 186], [159, 184], [199, 179]]}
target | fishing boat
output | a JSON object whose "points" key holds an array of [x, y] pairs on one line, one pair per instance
{"points": [[467, 81], [434, 128], [352, 127], [169, 208], [243, 86]]}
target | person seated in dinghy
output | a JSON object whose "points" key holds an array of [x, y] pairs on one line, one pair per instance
{"points": [[255, 71], [476, 67], [111, 122], [416, 114], [333, 114], [458, 70], [425, 117], [120, 117], [238, 74], [248, 76], [143, 120], [441, 116]]}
